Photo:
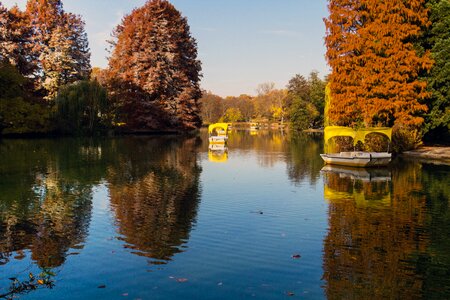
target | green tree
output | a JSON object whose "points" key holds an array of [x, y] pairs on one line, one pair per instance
{"points": [[82, 107], [18, 112], [302, 114], [308, 95], [437, 120]]}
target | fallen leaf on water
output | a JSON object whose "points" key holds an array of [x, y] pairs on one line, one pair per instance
{"points": [[40, 281], [101, 286]]}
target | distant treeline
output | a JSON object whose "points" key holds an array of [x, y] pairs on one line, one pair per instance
{"points": [[301, 104]]}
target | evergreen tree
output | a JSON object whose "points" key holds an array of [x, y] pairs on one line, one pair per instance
{"points": [[375, 65], [154, 70], [438, 40]]}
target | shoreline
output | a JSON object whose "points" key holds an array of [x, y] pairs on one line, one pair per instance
{"points": [[435, 155]]}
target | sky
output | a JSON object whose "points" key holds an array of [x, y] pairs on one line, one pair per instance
{"points": [[241, 43]]}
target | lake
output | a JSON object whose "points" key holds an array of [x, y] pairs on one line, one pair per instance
{"points": [[166, 218]]}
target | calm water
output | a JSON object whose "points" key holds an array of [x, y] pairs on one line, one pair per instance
{"points": [[163, 218]]}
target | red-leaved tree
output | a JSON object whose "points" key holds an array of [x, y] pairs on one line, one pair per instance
{"points": [[154, 72]]}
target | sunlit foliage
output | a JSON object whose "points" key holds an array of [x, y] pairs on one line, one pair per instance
{"points": [[375, 65]]}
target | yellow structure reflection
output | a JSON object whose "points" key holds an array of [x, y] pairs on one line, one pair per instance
{"points": [[217, 153], [367, 187], [375, 230]]}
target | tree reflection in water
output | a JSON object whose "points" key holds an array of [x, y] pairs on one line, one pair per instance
{"points": [[379, 241], [43, 208], [155, 197], [47, 189]]}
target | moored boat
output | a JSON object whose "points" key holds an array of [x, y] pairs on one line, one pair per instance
{"points": [[356, 158], [218, 133]]}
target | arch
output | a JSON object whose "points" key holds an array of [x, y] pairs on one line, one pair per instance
{"points": [[222, 126], [358, 135]]}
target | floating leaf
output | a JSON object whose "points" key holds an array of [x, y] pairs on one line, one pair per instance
{"points": [[40, 281], [101, 286]]}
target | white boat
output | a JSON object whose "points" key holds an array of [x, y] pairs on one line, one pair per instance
{"points": [[356, 158]]}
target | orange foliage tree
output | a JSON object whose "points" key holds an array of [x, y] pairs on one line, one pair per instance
{"points": [[375, 65]]}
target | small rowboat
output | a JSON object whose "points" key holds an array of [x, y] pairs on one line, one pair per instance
{"points": [[358, 159]]}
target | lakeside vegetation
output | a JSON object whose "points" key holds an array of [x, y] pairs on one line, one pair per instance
{"points": [[389, 67]]}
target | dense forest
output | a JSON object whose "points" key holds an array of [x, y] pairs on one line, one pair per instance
{"points": [[389, 67]]}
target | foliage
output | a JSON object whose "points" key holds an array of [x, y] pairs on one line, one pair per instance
{"points": [[60, 39], [374, 62], [211, 107], [302, 114], [308, 97], [405, 138], [82, 107], [154, 58], [44, 279], [437, 39], [18, 113], [232, 114], [16, 40]]}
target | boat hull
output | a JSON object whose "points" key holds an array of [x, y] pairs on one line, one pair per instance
{"points": [[358, 159], [218, 139]]}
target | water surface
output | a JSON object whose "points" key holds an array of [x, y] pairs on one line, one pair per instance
{"points": [[166, 218]]}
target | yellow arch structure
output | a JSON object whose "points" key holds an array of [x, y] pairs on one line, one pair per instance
{"points": [[222, 126], [358, 135], [217, 156]]}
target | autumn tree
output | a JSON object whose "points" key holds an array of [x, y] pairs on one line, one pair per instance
{"points": [[154, 69], [61, 41], [211, 107], [374, 62], [16, 40]]}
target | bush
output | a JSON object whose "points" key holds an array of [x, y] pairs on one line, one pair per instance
{"points": [[405, 138]]}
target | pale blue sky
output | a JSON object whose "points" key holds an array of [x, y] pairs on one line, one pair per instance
{"points": [[241, 43]]}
